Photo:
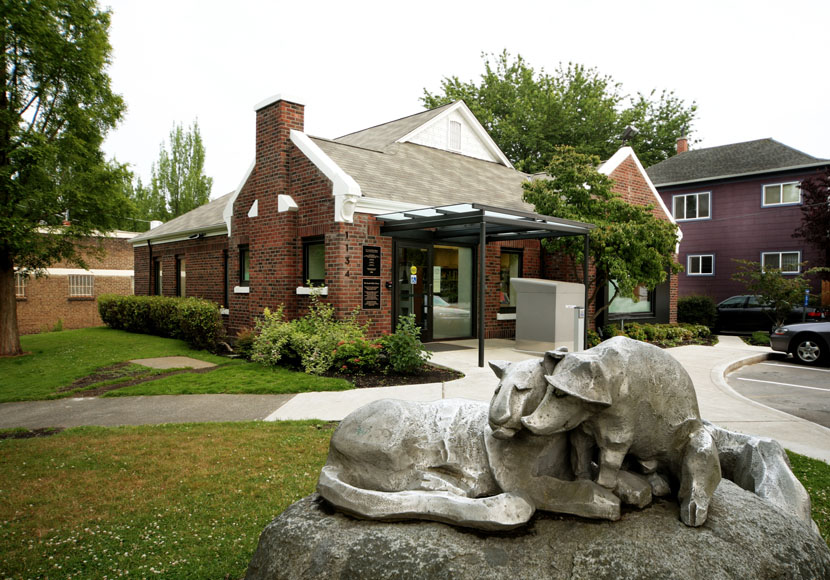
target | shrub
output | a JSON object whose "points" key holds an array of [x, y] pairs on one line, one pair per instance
{"points": [[758, 338], [243, 344], [593, 339], [193, 320], [404, 349], [664, 335], [358, 356], [697, 309]]}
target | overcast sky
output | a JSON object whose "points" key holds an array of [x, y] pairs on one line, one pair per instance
{"points": [[756, 69]]}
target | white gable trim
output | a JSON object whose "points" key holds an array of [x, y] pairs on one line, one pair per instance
{"points": [[616, 160], [227, 213], [473, 123], [345, 189]]}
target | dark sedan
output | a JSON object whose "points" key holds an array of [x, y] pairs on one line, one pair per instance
{"points": [[807, 342], [748, 313]]}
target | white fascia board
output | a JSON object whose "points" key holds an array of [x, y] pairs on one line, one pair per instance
{"points": [[227, 213], [183, 236], [480, 132], [280, 97], [616, 160], [375, 206], [93, 271], [343, 183]]}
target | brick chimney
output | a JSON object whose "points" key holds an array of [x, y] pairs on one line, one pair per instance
{"points": [[275, 118], [683, 143]]}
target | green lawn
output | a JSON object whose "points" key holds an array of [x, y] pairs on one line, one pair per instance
{"points": [[57, 359], [174, 501]]}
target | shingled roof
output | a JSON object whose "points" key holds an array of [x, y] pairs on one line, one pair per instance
{"points": [[381, 136], [412, 173], [734, 160], [203, 219]]}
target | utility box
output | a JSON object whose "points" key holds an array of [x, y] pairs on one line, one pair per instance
{"points": [[549, 315]]}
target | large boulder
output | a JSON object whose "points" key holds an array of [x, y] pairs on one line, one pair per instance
{"points": [[744, 537]]}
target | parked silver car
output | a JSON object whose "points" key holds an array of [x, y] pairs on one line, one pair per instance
{"points": [[808, 342]]}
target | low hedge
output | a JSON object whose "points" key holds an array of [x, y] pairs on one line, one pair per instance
{"points": [[193, 320], [697, 309], [665, 335]]}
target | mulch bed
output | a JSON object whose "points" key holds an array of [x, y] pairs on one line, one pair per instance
{"points": [[430, 374]]}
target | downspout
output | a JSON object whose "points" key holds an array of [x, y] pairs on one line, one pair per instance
{"points": [[150, 270], [585, 279]]}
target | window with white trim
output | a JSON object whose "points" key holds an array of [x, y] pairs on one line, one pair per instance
{"points": [[700, 264], [787, 262], [692, 206], [781, 194], [81, 285], [20, 285], [454, 138]]}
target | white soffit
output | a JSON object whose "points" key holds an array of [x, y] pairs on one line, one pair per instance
{"points": [[227, 213], [472, 123]]}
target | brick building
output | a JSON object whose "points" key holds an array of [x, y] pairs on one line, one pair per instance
{"points": [[331, 212], [737, 201], [66, 296]]}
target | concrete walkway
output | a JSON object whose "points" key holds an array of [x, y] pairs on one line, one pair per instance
{"points": [[719, 403], [706, 365]]}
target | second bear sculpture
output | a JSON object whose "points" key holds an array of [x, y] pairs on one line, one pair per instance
{"points": [[630, 398]]}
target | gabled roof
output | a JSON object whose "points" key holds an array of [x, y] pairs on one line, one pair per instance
{"points": [[381, 136], [727, 161], [410, 173], [204, 219]]}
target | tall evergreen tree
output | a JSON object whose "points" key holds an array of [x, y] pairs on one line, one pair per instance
{"points": [[179, 184], [56, 106]]}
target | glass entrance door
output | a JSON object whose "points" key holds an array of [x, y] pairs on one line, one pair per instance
{"points": [[436, 284], [414, 273]]}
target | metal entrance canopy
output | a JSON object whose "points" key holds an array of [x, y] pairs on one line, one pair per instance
{"points": [[479, 224]]}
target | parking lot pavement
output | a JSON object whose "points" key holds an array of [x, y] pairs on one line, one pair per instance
{"points": [[786, 386]]}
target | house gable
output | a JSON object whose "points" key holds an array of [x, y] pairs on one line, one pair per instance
{"points": [[458, 131]]}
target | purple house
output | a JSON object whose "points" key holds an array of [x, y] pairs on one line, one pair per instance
{"points": [[738, 201]]}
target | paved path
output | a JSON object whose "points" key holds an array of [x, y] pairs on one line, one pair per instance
{"points": [[706, 365]]}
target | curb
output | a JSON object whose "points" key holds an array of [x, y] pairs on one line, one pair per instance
{"points": [[718, 377]]}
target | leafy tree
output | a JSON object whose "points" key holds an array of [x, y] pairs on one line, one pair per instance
{"points": [[815, 213], [780, 292], [55, 109], [630, 245], [178, 184], [528, 114]]}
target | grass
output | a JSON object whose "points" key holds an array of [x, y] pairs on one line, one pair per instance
{"points": [[175, 501], [58, 359], [815, 475]]}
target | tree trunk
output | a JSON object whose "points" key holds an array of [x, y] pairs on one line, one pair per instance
{"points": [[9, 336]]}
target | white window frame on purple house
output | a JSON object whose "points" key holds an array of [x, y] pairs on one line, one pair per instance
{"points": [[684, 204], [690, 271]]}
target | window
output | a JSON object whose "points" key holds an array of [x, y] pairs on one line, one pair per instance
{"points": [[700, 265], [181, 277], [244, 266], [691, 206], [624, 307], [225, 279], [511, 267], [80, 285], [787, 262], [455, 136], [314, 261], [782, 194], [20, 285], [157, 273]]}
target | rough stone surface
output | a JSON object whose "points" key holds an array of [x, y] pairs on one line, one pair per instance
{"points": [[744, 537]]}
